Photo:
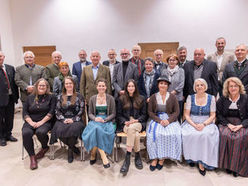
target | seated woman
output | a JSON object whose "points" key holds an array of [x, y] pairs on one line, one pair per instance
{"points": [[131, 116], [37, 113], [164, 131], [59, 80], [100, 132], [232, 119], [69, 124], [176, 77], [147, 82], [199, 133]]}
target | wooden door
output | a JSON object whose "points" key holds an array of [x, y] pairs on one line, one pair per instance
{"points": [[42, 53], [149, 48]]}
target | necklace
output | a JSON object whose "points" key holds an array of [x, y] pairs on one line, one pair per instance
{"points": [[101, 99]]}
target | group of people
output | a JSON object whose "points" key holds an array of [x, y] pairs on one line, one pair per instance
{"points": [[193, 109]]}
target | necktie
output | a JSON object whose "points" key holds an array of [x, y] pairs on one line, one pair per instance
{"points": [[5, 76]]}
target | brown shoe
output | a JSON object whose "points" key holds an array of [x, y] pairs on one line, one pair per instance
{"points": [[33, 163], [41, 153]]}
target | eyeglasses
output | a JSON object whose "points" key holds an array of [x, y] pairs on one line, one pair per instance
{"points": [[123, 54]]}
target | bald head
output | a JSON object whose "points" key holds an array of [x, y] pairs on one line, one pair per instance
{"points": [[241, 52], [95, 57], [199, 55]]}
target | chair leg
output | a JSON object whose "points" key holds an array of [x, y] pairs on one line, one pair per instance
{"points": [[52, 152], [81, 150], [22, 151]]}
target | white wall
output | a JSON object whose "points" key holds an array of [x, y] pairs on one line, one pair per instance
{"points": [[103, 24], [6, 34]]}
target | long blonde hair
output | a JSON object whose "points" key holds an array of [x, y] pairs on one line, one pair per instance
{"points": [[236, 81]]}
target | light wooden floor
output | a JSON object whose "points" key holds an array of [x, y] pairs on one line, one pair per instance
{"points": [[16, 172]]}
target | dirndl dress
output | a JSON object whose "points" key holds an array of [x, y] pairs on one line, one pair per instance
{"points": [[201, 146], [97, 134]]}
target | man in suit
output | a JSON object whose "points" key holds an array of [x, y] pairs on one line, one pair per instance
{"points": [[111, 63], [78, 67], [238, 68], [182, 56], [27, 75], [159, 65], [52, 70], [221, 58], [200, 68], [91, 74], [136, 51], [123, 72], [9, 95]]}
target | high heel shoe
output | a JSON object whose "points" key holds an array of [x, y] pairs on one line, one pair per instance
{"points": [[106, 166]]}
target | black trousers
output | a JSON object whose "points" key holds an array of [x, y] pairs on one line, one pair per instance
{"points": [[181, 105], [7, 119], [71, 141], [27, 133]]}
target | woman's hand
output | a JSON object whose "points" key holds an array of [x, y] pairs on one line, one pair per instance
{"points": [[68, 121], [164, 122], [234, 128], [99, 119], [199, 126], [174, 92], [237, 128], [147, 100]]}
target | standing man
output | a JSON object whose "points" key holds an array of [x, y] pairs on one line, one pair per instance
{"points": [[52, 70], [123, 72], [8, 97], [221, 58], [238, 68], [78, 67], [136, 51], [182, 56], [159, 65], [27, 75], [111, 63], [200, 68], [91, 74]]}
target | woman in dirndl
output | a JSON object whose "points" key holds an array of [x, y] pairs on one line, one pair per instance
{"points": [[199, 133], [232, 119], [100, 132], [163, 131]]}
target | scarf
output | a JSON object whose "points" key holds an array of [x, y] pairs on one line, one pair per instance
{"points": [[172, 71], [148, 80]]}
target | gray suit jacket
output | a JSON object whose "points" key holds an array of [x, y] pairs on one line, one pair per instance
{"points": [[88, 84], [119, 81], [227, 58], [22, 78], [52, 71]]}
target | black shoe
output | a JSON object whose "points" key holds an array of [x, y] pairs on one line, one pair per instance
{"points": [[3, 142], [92, 162], [228, 171], [11, 138], [191, 164], [159, 167], [75, 150], [138, 161], [106, 166], [152, 168], [125, 166], [202, 172], [235, 174], [70, 155]]}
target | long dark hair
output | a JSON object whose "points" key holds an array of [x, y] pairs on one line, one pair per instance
{"points": [[64, 96], [137, 101]]}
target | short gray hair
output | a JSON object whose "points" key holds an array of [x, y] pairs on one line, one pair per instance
{"points": [[28, 52], [181, 48], [56, 52], [201, 80]]}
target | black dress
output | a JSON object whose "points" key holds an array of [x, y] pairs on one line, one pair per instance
{"points": [[37, 110], [74, 112]]}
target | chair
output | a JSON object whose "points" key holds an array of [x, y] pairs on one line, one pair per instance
{"points": [[124, 135]]}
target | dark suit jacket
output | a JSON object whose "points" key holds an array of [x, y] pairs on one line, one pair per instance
{"points": [[230, 72], [136, 63], [77, 70], [106, 63], [123, 115], [141, 85], [209, 73], [4, 93], [222, 108]]}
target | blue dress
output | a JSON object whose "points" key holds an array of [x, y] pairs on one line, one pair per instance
{"points": [[164, 142], [97, 134], [201, 146]]}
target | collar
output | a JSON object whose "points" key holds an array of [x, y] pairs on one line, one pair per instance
{"points": [[28, 66], [242, 61], [97, 66]]}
